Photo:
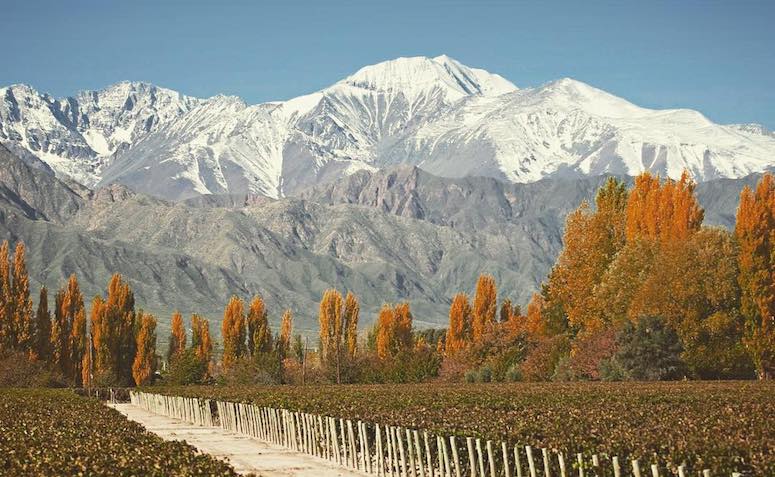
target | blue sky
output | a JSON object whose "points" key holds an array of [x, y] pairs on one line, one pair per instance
{"points": [[717, 57]]}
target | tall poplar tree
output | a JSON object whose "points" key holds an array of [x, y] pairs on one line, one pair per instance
{"points": [[233, 331], [23, 322], [351, 316], [485, 306], [43, 327], [331, 322], [259, 334], [177, 343], [755, 232], [144, 362]]}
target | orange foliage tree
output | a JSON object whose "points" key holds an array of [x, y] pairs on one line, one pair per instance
{"points": [[201, 342], [177, 343], [233, 331], [330, 318], [459, 329], [144, 363], [286, 330], [113, 333], [755, 232], [68, 331], [23, 323], [259, 334], [485, 306], [351, 316], [394, 330]]}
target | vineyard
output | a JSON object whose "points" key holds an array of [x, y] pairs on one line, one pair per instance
{"points": [[55, 432], [726, 427]]}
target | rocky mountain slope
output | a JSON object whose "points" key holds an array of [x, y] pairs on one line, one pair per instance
{"points": [[391, 235], [433, 113]]}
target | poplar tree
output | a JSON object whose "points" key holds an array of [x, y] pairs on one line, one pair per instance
{"points": [[68, 330], [233, 332], [200, 338], [145, 358], [459, 329], [259, 334], [755, 232], [351, 316], [286, 330], [113, 332], [485, 307], [177, 343], [331, 321], [394, 330], [43, 327], [23, 322], [6, 299]]}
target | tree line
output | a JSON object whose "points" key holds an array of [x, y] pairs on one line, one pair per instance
{"points": [[641, 290]]}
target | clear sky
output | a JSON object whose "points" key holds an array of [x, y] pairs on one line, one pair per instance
{"points": [[717, 57]]}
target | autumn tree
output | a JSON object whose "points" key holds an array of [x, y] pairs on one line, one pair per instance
{"points": [[755, 232], [259, 334], [23, 322], [351, 316], [590, 242], [485, 306], [394, 330], [663, 212], [113, 333], [201, 342], [144, 363], [177, 343], [506, 310], [286, 331], [233, 332], [331, 322], [459, 329], [68, 330], [6, 299], [43, 327]]}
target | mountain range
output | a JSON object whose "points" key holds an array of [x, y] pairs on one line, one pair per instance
{"points": [[435, 113], [403, 181]]}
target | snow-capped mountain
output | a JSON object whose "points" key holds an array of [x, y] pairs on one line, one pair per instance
{"points": [[436, 113]]}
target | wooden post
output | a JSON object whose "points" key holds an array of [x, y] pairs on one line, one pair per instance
{"points": [[580, 460], [517, 461], [455, 457], [635, 468], [618, 469], [471, 458], [410, 451], [353, 452], [428, 457], [491, 459], [480, 457], [545, 455], [445, 453], [401, 451], [505, 450], [440, 456], [530, 462], [561, 461], [390, 439], [682, 471], [654, 470], [420, 465], [706, 473]]}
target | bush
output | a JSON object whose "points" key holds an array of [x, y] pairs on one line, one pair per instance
{"points": [[649, 351], [186, 369], [514, 374], [18, 371]]}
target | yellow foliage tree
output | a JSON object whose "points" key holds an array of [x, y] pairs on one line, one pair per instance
{"points": [[259, 334], [459, 329], [177, 343], [144, 363], [23, 322], [286, 331], [755, 232], [233, 331], [485, 307], [394, 330], [331, 320], [351, 316]]}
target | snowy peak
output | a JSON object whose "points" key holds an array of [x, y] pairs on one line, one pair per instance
{"points": [[434, 113], [414, 74]]}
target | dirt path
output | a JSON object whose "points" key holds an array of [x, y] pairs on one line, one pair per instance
{"points": [[245, 454]]}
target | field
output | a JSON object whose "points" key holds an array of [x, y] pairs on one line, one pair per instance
{"points": [[55, 432], [723, 426]]}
